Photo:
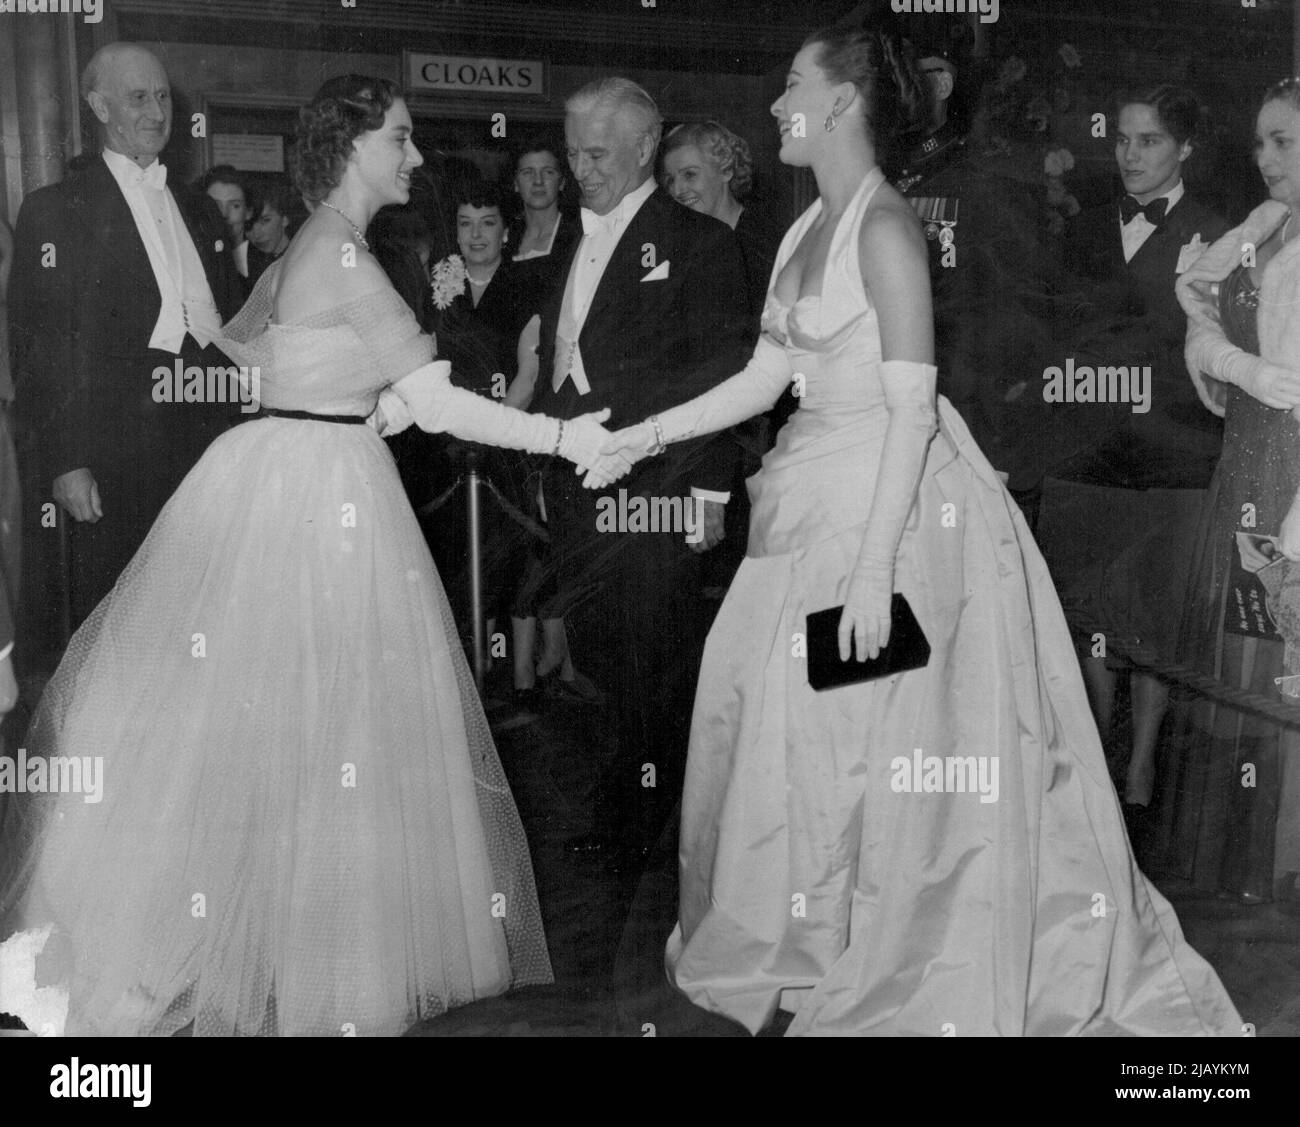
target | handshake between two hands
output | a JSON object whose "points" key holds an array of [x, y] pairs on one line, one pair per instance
{"points": [[603, 456]]}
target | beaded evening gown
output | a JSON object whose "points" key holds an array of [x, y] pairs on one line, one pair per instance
{"points": [[825, 867], [304, 827], [1213, 830]]}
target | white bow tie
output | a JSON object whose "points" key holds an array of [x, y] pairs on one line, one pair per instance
{"points": [[592, 223], [155, 176]]}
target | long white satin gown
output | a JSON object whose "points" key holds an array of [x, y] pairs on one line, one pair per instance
{"points": [[812, 876], [304, 825]]}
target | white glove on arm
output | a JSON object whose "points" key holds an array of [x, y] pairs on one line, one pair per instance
{"points": [[437, 405], [391, 415], [750, 391], [1208, 351], [909, 397]]}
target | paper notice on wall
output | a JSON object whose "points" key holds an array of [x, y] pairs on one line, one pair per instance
{"points": [[251, 152]]}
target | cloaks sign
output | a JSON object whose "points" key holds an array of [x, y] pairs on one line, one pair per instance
{"points": [[461, 74]]}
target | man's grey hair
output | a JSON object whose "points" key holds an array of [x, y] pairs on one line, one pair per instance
{"points": [[621, 94], [92, 78]]}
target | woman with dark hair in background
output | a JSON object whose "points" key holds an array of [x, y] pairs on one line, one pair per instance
{"points": [[305, 827], [488, 329], [1230, 802], [1119, 516], [544, 233], [836, 860]]}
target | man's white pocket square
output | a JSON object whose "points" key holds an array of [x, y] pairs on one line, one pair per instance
{"points": [[658, 274]]}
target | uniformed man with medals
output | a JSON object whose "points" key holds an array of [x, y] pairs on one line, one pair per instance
{"points": [[985, 231]]}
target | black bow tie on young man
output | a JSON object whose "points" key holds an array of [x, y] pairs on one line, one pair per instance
{"points": [[1130, 209]]}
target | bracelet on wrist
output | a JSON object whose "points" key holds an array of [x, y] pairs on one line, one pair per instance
{"points": [[559, 438], [659, 445]]}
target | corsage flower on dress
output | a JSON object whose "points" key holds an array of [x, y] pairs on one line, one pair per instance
{"points": [[448, 280]]}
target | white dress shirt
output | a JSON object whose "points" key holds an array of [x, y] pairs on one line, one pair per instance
{"points": [[1139, 228], [187, 305], [601, 234]]}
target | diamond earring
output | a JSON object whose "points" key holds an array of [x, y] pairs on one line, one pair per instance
{"points": [[830, 123]]}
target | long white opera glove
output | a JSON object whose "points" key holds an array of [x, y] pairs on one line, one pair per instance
{"points": [[437, 405], [1209, 352], [750, 391], [910, 399], [1211, 392]]}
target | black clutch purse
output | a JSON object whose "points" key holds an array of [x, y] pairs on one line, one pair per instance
{"points": [[907, 648]]}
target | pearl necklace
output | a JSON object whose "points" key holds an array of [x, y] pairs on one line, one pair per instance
{"points": [[360, 237]]}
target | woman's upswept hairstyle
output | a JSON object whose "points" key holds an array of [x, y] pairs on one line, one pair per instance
{"points": [[342, 110], [727, 151], [883, 68]]}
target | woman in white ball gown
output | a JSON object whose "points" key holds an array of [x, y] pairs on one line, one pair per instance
{"points": [[821, 872], [304, 826]]}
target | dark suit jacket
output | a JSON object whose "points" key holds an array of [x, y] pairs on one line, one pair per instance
{"points": [[81, 326], [648, 346], [1132, 317], [84, 306]]}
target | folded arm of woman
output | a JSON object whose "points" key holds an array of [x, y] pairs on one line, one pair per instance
{"points": [[1209, 353], [1207, 350]]}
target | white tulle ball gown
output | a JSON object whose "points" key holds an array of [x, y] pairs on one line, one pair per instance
{"points": [[304, 826], [821, 874]]}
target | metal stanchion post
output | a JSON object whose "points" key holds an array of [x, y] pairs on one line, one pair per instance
{"points": [[65, 573], [475, 574]]}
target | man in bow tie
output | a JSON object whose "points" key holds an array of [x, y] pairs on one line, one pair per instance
{"points": [[117, 272], [653, 311], [1122, 500]]}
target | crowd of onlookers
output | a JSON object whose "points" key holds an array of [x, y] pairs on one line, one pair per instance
{"points": [[1133, 521]]}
